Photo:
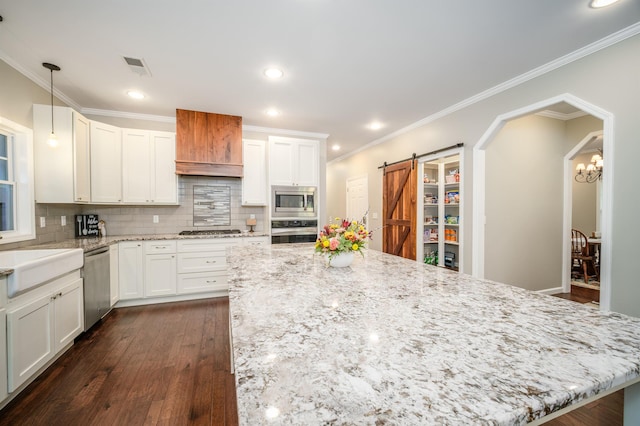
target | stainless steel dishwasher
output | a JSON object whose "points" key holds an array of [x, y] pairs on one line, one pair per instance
{"points": [[97, 294]]}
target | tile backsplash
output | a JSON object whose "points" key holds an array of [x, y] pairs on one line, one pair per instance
{"points": [[123, 220]]}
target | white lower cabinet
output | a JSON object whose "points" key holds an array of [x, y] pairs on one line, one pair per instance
{"points": [[131, 270], [165, 268], [3, 353], [202, 264], [114, 281], [159, 268], [40, 324]]}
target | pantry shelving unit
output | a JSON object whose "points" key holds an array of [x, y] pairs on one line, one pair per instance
{"points": [[439, 219]]}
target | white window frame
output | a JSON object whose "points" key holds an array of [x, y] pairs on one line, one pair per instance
{"points": [[20, 157]]}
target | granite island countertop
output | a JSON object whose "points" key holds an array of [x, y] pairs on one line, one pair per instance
{"points": [[391, 341]]}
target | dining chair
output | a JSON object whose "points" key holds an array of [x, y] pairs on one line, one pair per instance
{"points": [[581, 259]]}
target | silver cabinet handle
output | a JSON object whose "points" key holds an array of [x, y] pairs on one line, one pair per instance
{"points": [[211, 261], [210, 281]]}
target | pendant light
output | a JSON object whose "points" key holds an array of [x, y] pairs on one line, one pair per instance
{"points": [[53, 141]]}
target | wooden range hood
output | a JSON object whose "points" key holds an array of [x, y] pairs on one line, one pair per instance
{"points": [[208, 144]]}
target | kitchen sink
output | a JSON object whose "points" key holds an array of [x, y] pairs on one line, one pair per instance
{"points": [[32, 268]]}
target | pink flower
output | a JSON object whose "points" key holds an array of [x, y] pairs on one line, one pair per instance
{"points": [[334, 243]]}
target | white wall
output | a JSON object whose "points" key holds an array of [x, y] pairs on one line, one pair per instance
{"points": [[609, 78]]}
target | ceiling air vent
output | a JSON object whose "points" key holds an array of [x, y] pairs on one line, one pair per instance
{"points": [[138, 66]]}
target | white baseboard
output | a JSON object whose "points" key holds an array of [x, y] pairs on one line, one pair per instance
{"points": [[554, 290]]}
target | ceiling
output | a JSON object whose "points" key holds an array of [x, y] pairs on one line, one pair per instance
{"points": [[345, 63]]}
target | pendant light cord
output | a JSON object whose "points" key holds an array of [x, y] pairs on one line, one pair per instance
{"points": [[52, 132]]}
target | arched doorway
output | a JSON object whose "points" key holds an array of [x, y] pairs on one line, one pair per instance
{"points": [[479, 188]]}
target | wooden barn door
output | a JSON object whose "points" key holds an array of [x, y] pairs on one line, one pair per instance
{"points": [[399, 186]]}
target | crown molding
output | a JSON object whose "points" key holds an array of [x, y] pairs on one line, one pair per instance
{"points": [[129, 115], [560, 116], [587, 50], [284, 132], [44, 83]]}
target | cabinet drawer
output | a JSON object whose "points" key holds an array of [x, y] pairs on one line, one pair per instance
{"points": [[201, 262], [257, 241], [207, 245], [159, 247], [202, 281]]}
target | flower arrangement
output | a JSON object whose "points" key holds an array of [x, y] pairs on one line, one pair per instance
{"points": [[342, 237]]}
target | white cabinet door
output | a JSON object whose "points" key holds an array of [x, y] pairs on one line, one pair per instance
{"points": [[131, 270], [136, 166], [306, 163], [281, 162], [160, 275], [82, 158], [254, 180], [68, 314], [106, 163], [3, 353], [29, 345], [113, 274], [53, 166], [293, 161], [164, 181]]}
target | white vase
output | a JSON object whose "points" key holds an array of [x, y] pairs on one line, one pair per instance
{"points": [[341, 260]]}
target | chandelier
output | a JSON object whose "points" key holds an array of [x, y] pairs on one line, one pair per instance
{"points": [[592, 172]]}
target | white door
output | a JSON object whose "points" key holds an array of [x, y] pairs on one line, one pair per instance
{"points": [[281, 162], [81, 158], [357, 197], [306, 163], [29, 345], [3, 352], [136, 166], [69, 314], [254, 179], [106, 163], [160, 275], [130, 270], [164, 182]]}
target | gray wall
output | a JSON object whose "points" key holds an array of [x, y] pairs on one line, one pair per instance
{"points": [[583, 211], [524, 203], [608, 78]]}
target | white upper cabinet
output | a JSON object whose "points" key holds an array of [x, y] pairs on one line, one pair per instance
{"points": [[106, 163], [136, 166], [293, 161], [62, 172], [255, 191], [148, 167], [164, 185]]}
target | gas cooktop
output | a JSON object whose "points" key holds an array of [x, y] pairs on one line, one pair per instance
{"points": [[211, 232]]}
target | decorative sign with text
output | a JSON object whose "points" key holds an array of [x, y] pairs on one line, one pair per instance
{"points": [[86, 225]]}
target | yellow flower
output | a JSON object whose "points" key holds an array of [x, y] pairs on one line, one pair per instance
{"points": [[318, 243], [361, 228], [337, 219], [354, 223], [325, 243], [354, 247], [349, 235]]}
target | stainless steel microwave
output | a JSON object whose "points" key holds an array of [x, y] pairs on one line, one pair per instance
{"points": [[293, 201]]}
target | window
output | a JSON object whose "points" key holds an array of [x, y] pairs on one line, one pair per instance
{"points": [[7, 193], [17, 209]]}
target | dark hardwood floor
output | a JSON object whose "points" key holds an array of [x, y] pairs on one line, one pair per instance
{"points": [[167, 365], [161, 364]]}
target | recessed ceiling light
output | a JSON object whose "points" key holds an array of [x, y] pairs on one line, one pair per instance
{"points": [[135, 94], [596, 4], [273, 73], [375, 125], [272, 112], [336, 147]]}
